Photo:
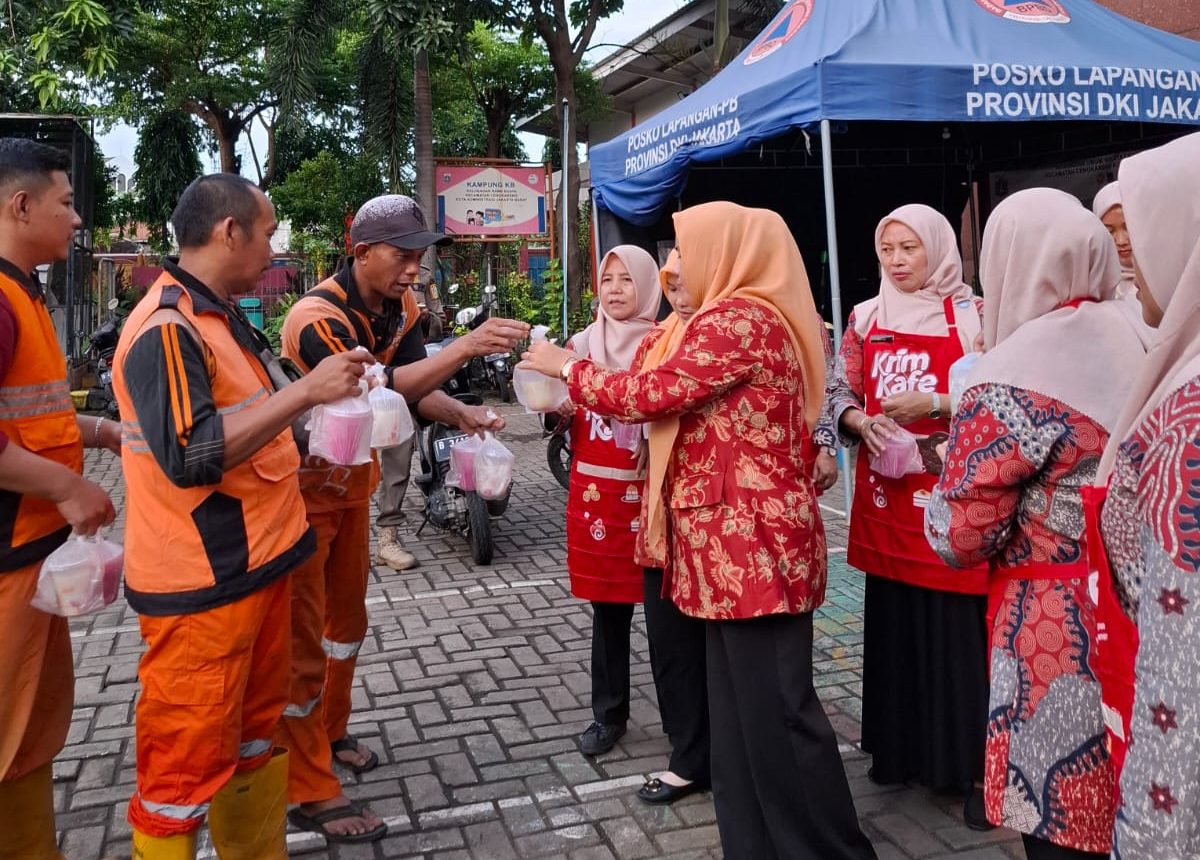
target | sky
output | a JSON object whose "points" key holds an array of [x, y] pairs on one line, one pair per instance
{"points": [[635, 18]]}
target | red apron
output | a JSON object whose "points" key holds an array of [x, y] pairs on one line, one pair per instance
{"points": [[1116, 635], [887, 523], [603, 504]]}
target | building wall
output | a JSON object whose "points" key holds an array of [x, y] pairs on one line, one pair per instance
{"points": [[1174, 16]]}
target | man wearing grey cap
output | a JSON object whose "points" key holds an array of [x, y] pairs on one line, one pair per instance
{"points": [[369, 303]]}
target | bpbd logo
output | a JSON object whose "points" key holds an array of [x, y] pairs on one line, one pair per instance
{"points": [[790, 22], [1028, 11]]}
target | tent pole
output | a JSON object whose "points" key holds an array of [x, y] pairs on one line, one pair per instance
{"points": [[835, 280], [564, 190]]}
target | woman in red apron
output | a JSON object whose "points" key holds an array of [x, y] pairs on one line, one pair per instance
{"points": [[604, 504], [1027, 436], [1151, 520], [924, 649]]}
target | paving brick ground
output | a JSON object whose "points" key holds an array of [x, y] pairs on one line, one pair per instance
{"points": [[472, 687]]}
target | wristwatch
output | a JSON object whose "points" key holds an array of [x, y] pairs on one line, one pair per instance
{"points": [[936, 411], [830, 451]]}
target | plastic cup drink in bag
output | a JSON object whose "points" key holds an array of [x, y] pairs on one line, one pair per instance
{"points": [[960, 371], [900, 456], [341, 432], [391, 421], [462, 464], [627, 436], [493, 469], [538, 393], [78, 578], [114, 566]]}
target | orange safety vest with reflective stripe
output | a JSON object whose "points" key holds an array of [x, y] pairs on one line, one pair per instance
{"points": [[328, 487], [37, 413], [328, 299], [188, 549]]}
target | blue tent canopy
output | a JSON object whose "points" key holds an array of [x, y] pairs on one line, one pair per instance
{"points": [[905, 60]]}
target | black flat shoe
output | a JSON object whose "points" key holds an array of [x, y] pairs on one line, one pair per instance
{"points": [[597, 739], [974, 814], [658, 792]]}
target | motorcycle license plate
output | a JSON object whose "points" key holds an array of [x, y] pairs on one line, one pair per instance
{"points": [[441, 447]]}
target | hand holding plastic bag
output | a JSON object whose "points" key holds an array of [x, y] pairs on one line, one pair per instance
{"points": [[462, 464], [81, 577], [493, 469], [900, 455], [536, 392], [391, 421], [340, 432]]}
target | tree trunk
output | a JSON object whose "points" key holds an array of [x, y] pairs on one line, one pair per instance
{"points": [[423, 150], [568, 205]]}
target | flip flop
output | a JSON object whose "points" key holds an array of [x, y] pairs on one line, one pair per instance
{"points": [[316, 824], [350, 744]]}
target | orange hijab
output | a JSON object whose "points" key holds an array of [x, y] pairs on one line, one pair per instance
{"points": [[730, 252]]}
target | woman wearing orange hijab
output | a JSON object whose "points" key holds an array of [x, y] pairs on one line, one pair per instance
{"points": [[732, 394], [924, 633], [1151, 521]]}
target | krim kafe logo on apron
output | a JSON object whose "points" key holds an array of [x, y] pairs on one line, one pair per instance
{"points": [[790, 22], [1028, 11]]}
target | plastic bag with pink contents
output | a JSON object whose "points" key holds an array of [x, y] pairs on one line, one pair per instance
{"points": [[899, 457], [80, 577]]}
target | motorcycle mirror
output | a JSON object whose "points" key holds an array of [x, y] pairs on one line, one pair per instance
{"points": [[489, 290], [453, 289], [466, 316], [113, 304]]}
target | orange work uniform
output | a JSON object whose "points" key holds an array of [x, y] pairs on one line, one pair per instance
{"points": [[208, 550], [329, 613], [37, 684]]}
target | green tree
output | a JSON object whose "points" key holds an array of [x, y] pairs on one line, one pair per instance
{"points": [[166, 163], [566, 28], [322, 191], [206, 58], [55, 48]]}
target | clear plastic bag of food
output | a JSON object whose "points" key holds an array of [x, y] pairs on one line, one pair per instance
{"points": [[462, 464], [538, 393], [391, 421], [900, 456], [340, 432], [493, 469], [81, 577], [960, 372]]}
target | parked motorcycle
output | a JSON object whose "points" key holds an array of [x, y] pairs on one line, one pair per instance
{"points": [[491, 372], [558, 447], [450, 508], [102, 346]]}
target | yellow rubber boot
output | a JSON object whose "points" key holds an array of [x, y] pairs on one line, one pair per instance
{"points": [[182, 847], [27, 817], [247, 818]]}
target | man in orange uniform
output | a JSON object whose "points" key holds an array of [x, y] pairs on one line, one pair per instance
{"points": [[42, 493], [215, 524], [370, 304]]}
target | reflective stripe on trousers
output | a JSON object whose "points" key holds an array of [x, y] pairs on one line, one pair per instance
{"points": [[254, 748], [341, 650], [301, 711]]}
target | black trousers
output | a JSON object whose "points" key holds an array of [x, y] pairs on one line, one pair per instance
{"points": [[611, 623], [778, 782], [677, 650], [1041, 849]]}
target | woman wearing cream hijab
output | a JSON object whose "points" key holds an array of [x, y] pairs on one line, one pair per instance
{"points": [[733, 394], [604, 494], [1111, 213], [1151, 522], [924, 638], [1062, 353]]}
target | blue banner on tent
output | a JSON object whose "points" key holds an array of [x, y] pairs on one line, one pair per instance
{"points": [[915, 60]]}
